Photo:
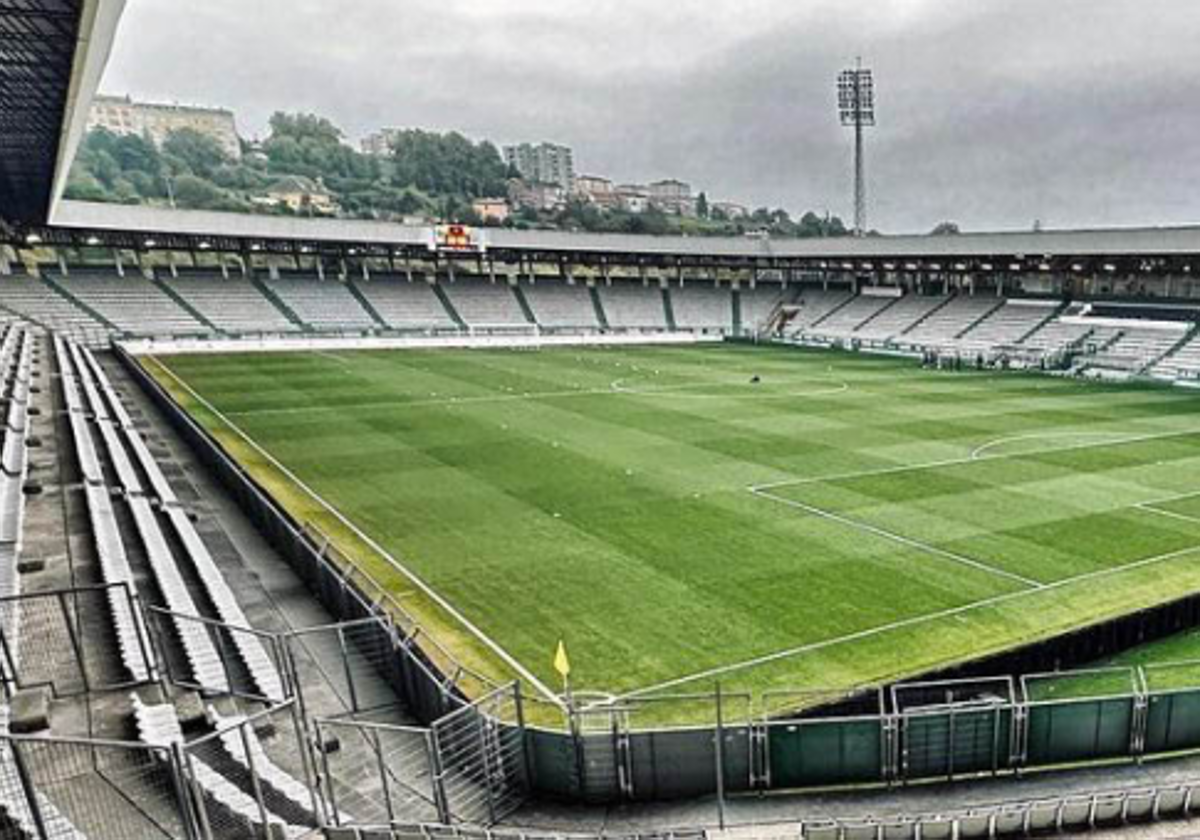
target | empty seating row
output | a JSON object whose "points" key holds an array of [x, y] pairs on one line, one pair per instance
{"points": [[1056, 336], [902, 315], [232, 305], [404, 305], [484, 304], [814, 305], [325, 305], [32, 299], [842, 322], [1007, 326], [16, 361], [560, 305], [1133, 349], [1183, 363], [633, 306], [757, 305], [702, 306], [132, 639], [14, 799], [203, 659], [132, 304], [251, 753], [941, 328], [158, 725]]}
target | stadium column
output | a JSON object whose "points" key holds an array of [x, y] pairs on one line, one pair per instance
{"points": [[604, 271], [62, 264], [5, 261], [118, 263]]}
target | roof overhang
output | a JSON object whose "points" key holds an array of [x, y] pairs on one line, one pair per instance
{"points": [[52, 55], [147, 228]]}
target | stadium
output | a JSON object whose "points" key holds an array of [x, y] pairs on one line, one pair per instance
{"points": [[350, 529]]}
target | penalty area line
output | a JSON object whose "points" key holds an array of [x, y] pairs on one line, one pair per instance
{"points": [[973, 459], [903, 624], [425, 588], [901, 539]]}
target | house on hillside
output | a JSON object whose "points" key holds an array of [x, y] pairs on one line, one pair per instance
{"points": [[300, 195]]}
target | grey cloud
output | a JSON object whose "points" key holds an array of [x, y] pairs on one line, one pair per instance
{"points": [[992, 112]]}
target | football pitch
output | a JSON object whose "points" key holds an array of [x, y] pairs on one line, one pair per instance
{"points": [[772, 518]]}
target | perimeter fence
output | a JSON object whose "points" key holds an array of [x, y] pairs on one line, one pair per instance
{"points": [[642, 749]]}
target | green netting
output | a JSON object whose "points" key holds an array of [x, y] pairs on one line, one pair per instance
{"points": [[817, 753], [1079, 730]]}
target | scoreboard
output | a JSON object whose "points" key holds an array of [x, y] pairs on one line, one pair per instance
{"points": [[457, 239]]}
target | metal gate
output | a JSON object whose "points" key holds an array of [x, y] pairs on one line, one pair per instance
{"points": [[482, 765]]}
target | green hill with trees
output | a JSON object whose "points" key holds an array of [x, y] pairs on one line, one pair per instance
{"points": [[428, 174]]}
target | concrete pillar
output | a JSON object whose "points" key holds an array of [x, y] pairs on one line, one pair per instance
{"points": [[492, 271], [320, 270], [366, 271], [118, 262], [5, 261], [273, 270], [62, 264]]}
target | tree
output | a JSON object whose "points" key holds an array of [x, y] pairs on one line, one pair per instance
{"points": [[202, 155], [702, 206], [302, 127], [946, 229], [194, 193]]}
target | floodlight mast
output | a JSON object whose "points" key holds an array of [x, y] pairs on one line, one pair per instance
{"points": [[856, 105]]}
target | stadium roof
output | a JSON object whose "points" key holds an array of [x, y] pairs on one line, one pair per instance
{"points": [[137, 227], [52, 53]]}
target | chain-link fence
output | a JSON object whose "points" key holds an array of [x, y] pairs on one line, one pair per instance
{"points": [[59, 788], [482, 762], [378, 773], [240, 661], [65, 641], [251, 777]]}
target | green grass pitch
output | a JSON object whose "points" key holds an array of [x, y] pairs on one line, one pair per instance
{"points": [[843, 521]]}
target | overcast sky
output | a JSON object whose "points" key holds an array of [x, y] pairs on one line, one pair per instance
{"points": [[992, 113]]}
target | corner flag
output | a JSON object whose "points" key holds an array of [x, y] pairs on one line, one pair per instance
{"points": [[561, 663]]}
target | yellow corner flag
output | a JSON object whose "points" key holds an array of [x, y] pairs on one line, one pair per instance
{"points": [[561, 663]]}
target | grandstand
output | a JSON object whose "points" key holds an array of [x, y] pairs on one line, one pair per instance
{"points": [[702, 306], [230, 305], [405, 305], [633, 306], [285, 551], [562, 306]]}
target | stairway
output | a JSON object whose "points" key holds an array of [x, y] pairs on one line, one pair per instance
{"points": [[598, 305], [523, 302], [367, 305], [186, 307], [448, 306], [267, 292]]}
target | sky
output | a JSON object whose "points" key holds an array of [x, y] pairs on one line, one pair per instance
{"points": [[992, 113]]}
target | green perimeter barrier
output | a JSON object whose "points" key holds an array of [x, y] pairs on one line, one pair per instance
{"points": [[945, 743], [818, 753], [1173, 721], [1065, 731], [1040, 728]]}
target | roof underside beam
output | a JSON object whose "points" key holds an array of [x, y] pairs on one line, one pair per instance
{"points": [[38, 41]]}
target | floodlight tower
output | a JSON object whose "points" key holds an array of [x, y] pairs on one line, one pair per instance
{"points": [[856, 105]]}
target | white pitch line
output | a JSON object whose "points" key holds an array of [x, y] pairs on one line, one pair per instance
{"points": [[680, 392], [1150, 508], [953, 462], [490, 643], [977, 454], [902, 624], [899, 538]]}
